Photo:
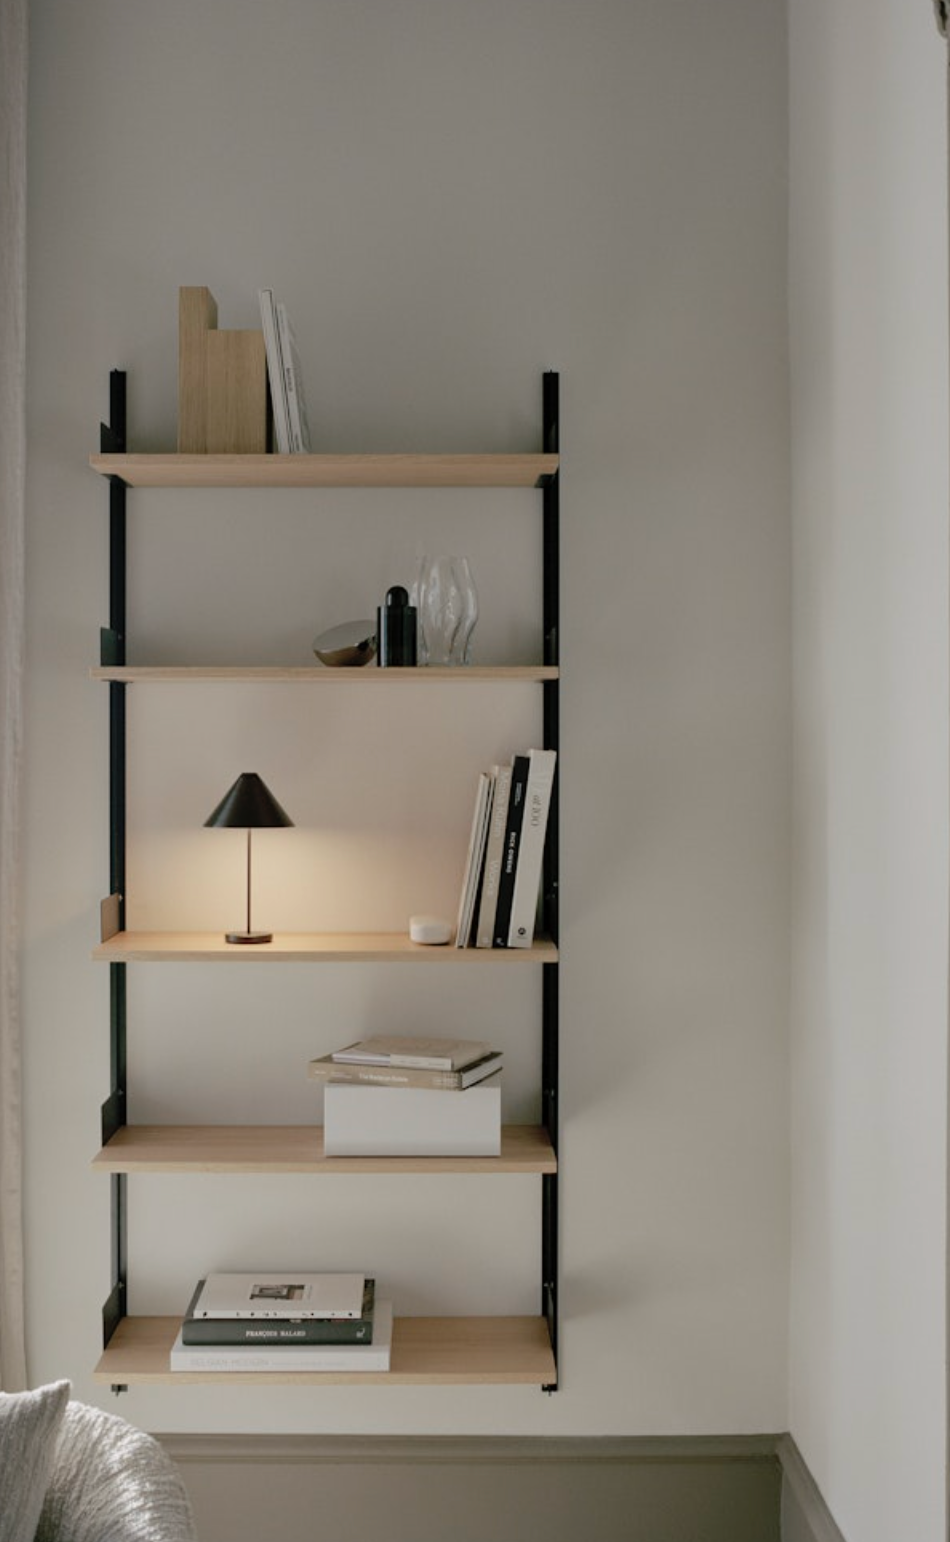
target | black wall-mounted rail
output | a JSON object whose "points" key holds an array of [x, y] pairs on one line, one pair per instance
{"points": [[549, 882], [112, 441]]}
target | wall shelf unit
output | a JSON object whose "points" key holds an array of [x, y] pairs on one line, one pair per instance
{"points": [[318, 674], [426, 1350], [327, 470], [313, 948], [432, 1351], [297, 1148]]}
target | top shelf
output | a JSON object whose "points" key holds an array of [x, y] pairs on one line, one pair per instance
{"points": [[327, 470]]}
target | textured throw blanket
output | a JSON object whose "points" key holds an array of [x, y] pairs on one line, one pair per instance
{"points": [[111, 1482]]}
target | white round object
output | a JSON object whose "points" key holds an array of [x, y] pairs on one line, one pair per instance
{"points": [[431, 929]]}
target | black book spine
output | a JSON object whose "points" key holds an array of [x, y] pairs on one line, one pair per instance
{"points": [[509, 861], [310, 1330], [297, 1330]]}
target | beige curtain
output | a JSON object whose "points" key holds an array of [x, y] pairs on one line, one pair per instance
{"points": [[13, 82]]}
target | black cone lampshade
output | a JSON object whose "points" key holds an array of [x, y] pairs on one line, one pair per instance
{"points": [[248, 805]]}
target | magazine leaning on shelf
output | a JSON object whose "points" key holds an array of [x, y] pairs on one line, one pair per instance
{"points": [[494, 851], [275, 372], [293, 382], [468, 898], [285, 378]]}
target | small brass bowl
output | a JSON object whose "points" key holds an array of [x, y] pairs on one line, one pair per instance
{"points": [[347, 646]]}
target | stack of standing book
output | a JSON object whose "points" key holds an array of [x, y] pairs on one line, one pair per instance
{"points": [[387, 1096], [284, 1322], [498, 904]]}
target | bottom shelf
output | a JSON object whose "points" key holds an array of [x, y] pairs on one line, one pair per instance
{"points": [[513, 1351]]}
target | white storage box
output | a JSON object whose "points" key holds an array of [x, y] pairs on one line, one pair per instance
{"points": [[411, 1121]]}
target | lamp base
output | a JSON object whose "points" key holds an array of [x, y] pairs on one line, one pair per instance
{"points": [[249, 937]]}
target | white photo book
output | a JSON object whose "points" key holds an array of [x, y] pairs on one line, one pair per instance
{"points": [[285, 1295]]}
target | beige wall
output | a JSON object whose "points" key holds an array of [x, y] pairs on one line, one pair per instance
{"points": [[451, 198], [869, 372]]}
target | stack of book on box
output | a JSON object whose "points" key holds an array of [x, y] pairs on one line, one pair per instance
{"points": [[284, 1322], [498, 904], [399, 1095]]}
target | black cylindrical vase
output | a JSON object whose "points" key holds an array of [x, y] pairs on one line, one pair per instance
{"points": [[396, 629]]}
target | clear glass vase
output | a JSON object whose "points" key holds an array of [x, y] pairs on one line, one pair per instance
{"points": [[447, 603]]}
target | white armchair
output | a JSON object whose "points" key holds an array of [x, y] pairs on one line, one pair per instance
{"points": [[111, 1482], [71, 1473]]}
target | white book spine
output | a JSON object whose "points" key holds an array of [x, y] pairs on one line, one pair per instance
{"points": [[411, 1121], [473, 864], [524, 899], [494, 852], [296, 407]]}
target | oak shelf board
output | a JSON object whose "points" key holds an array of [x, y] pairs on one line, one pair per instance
{"points": [[448, 1351], [401, 470], [319, 674], [298, 1149], [308, 947]]}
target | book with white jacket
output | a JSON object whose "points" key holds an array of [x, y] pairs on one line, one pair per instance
{"points": [[294, 1293], [534, 824]]}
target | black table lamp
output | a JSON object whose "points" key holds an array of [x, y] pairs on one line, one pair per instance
{"points": [[248, 805]]}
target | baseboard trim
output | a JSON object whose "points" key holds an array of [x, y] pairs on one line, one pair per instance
{"points": [[800, 1492], [515, 1450], [213, 1459]]}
